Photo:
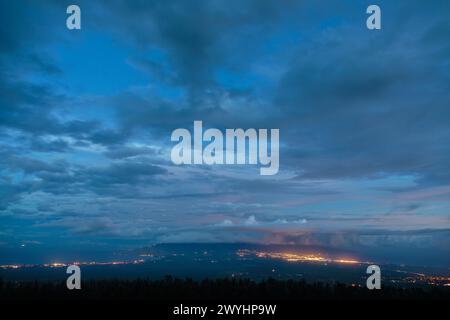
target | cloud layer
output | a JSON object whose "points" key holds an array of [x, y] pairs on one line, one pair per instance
{"points": [[86, 117]]}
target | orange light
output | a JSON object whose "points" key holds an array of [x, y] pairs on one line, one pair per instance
{"points": [[294, 257]]}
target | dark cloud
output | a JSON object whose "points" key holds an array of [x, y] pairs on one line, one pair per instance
{"points": [[365, 104], [57, 145], [195, 37], [123, 152]]}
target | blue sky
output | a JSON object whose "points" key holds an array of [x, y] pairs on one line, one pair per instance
{"points": [[86, 117]]}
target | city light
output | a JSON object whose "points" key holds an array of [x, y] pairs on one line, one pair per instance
{"points": [[296, 257]]}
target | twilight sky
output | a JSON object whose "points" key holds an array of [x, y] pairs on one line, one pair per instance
{"points": [[364, 118]]}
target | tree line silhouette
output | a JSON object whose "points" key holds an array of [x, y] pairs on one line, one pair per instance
{"points": [[170, 288]]}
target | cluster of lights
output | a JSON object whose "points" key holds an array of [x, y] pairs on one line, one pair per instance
{"points": [[295, 257], [11, 266], [61, 265], [318, 258], [432, 280]]}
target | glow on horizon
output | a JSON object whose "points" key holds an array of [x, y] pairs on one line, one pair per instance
{"points": [[298, 257]]}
